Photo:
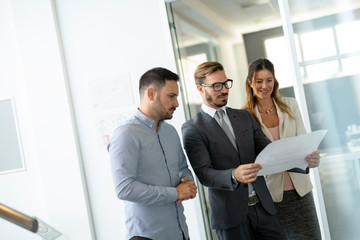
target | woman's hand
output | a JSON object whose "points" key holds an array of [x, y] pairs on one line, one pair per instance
{"points": [[313, 159]]}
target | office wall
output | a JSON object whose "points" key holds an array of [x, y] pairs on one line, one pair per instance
{"points": [[108, 45], [51, 187], [72, 68], [15, 186]]}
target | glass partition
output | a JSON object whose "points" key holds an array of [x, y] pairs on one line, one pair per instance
{"points": [[329, 51], [326, 36], [211, 31], [327, 55], [193, 46]]}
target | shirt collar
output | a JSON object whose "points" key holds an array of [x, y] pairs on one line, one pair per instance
{"points": [[145, 119], [211, 111]]}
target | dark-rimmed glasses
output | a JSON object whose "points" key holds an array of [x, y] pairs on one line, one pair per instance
{"points": [[218, 86]]}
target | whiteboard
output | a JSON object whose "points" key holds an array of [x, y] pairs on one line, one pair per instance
{"points": [[11, 157]]}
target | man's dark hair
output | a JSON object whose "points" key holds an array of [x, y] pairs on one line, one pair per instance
{"points": [[156, 77]]}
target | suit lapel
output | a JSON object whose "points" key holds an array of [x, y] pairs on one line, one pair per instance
{"points": [[211, 122], [236, 126], [262, 125], [213, 125], [281, 120], [235, 123]]}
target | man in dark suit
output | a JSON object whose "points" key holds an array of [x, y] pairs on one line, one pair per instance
{"points": [[222, 144]]}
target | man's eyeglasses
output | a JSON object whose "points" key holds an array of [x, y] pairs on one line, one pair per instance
{"points": [[219, 85]]}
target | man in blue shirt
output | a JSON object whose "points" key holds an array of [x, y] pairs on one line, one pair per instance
{"points": [[148, 165]]}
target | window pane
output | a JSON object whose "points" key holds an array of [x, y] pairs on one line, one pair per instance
{"points": [[280, 59], [331, 90], [318, 44], [321, 71], [348, 35], [189, 65], [351, 65]]}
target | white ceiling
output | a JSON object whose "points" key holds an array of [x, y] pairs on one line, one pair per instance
{"points": [[234, 17]]}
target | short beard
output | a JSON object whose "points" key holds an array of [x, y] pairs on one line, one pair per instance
{"points": [[211, 101], [161, 111]]}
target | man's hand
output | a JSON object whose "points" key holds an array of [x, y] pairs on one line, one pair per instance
{"points": [[313, 159], [246, 173], [186, 190]]}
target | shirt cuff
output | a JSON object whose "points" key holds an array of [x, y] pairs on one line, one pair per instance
{"points": [[189, 176], [172, 193], [234, 182]]}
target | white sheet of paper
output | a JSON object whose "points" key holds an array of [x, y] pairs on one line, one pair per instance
{"points": [[288, 153]]}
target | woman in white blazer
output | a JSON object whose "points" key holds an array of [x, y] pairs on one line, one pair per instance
{"points": [[279, 117]]}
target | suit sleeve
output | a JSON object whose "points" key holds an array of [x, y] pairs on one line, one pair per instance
{"points": [[195, 144], [300, 128]]}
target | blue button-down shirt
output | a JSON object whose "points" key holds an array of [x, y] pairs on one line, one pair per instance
{"points": [[146, 166]]}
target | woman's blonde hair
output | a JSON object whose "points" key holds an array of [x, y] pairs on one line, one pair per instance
{"points": [[251, 101]]}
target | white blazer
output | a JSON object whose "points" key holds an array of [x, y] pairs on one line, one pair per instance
{"points": [[288, 127]]}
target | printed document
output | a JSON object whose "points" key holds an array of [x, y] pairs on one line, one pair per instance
{"points": [[288, 153]]}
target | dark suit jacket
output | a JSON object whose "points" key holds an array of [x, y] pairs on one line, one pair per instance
{"points": [[213, 157]]}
